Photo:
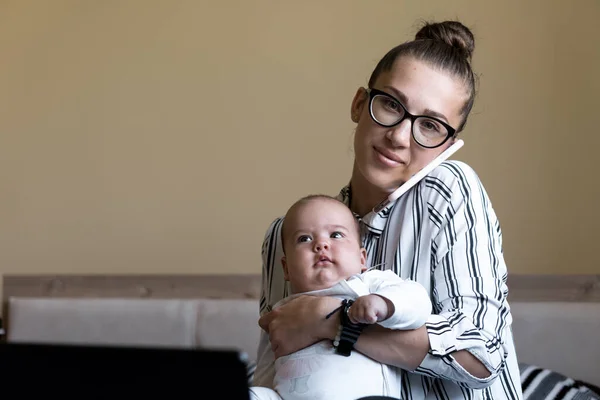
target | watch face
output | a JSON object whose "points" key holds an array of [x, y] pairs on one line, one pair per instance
{"points": [[347, 310], [345, 317]]}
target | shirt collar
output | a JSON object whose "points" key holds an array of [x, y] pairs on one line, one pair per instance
{"points": [[375, 222]]}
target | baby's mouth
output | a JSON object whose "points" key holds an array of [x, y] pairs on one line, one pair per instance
{"points": [[323, 260]]}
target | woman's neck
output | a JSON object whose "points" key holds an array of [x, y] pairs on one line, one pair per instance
{"points": [[365, 196]]}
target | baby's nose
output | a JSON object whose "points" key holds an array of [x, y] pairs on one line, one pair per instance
{"points": [[322, 246]]}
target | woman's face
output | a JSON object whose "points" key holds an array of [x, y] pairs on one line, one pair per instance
{"points": [[387, 157]]}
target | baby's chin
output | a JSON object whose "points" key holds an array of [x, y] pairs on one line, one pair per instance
{"points": [[325, 280]]}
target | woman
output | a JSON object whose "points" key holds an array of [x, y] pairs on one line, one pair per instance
{"points": [[443, 233]]}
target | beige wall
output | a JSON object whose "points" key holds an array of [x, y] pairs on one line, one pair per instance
{"points": [[164, 136]]}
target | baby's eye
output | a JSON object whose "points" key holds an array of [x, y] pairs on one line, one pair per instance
{"points": [[337, 235], [304, 239]]}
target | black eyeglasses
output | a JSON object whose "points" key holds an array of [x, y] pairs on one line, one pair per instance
{"points": [[387, 111]]}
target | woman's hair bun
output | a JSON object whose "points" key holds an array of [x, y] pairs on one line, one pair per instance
{"points": [[452, 33]]}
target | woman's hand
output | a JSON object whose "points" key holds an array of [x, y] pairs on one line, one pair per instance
{"points": [[300, 323]]}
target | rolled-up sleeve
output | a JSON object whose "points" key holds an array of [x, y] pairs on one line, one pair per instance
{"points": [[468, 283]]}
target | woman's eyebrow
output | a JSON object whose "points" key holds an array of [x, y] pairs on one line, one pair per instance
{"points": [[399, 95], [435, 114], [428, 112]]}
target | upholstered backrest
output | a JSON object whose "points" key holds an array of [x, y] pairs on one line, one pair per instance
{"points": [[141, 322], [560, 336]]}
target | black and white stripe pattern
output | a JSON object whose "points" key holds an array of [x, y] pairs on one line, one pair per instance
{"points": [[544, 384], [444, 234]]}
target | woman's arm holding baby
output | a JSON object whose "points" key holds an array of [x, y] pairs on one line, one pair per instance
{"points": [[301, 322]]}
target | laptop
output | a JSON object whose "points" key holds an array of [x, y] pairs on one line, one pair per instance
{"points": [[79, 371]]}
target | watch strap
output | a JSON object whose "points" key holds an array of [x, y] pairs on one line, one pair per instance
{"points": [[348, 332]]}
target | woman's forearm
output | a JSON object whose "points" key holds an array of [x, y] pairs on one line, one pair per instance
{"points": [[407, 349], [473, 366], [404, 349]]}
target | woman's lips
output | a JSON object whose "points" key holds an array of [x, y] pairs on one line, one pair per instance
{"points": [[388, 158]]}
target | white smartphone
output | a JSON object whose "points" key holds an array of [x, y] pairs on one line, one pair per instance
{"points": [[419, 175]]}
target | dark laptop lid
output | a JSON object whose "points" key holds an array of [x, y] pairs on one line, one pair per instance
{"points": [[107, 370]]}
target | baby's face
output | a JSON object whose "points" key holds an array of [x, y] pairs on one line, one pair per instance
{"points": [[322, 246]]}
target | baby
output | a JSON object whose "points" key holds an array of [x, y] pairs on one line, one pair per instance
{"points": [[324, 257]]}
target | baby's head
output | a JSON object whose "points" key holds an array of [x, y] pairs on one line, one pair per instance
{"points": [[321, 244]]}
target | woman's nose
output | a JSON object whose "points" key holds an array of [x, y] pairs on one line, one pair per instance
{"points": [[399, 135]]}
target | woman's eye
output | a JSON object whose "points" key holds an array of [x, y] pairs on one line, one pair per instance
{"points": [[337, 235], [391, 105], [429, 125], [304, 239]]}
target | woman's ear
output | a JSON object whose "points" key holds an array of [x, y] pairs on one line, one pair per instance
{"points": [[359, 101], [363, 259], [285, 269]]}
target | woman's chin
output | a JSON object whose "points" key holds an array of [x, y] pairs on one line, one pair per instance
{"points": [[386, 184], [385, 180]]}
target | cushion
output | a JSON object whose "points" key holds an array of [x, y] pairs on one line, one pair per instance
{"points": [[228, 323], [542, 383], [107, 321]]}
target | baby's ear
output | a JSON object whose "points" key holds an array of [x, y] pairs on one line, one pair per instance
{"points": [[285, 269], [363, 259]]}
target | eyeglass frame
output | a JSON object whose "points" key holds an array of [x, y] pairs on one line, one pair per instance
{"points": [[374, 92]]}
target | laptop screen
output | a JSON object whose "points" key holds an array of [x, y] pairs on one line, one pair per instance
{"points": [[79, 371]]}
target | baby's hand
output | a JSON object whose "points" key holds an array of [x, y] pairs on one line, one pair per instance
{"points": [[370, 309]]}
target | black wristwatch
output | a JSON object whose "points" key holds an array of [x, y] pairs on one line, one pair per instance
{"points": [[348, 332]]}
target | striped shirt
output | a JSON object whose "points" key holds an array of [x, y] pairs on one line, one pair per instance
{"points": [[444, 234]]}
